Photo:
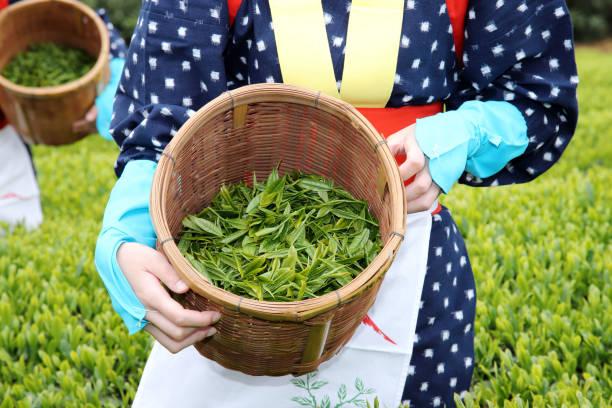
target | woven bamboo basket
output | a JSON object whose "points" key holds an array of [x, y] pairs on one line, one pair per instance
{"points": [[249, 130], [45, 115]]}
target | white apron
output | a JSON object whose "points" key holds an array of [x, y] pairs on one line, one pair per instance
{"points": [[19, 194], [374, 363]]}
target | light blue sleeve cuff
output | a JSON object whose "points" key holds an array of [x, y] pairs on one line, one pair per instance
{"points": [[104, 101], [479, 137], [126, 219]]}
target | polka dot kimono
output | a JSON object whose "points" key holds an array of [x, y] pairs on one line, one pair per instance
{"points": [[184, 53]]}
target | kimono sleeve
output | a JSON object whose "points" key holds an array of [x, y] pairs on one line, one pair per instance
{"points": [[174, 65], [118, 49], [522, 52]]}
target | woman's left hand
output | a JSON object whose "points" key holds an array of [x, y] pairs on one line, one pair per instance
{"points": [[422, 192], [87, 125]]}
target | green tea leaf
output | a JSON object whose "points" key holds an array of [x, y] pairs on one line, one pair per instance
{"points": [[314, 185], [273, 252], [208, 226], [232, 237], [359, 241], [253, 204]]}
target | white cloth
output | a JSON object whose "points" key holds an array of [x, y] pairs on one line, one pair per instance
{"points": [[19, 194], [368, 366]]}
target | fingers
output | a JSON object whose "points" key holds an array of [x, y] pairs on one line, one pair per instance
{"points": [[172, 325], [396, 142], [175, 346], [79, 126], [153, 262], [158, 300], [159, 266], [92, 113], [88, 123], [421, 184], [415, 162], [424, 201], [404, 142], [171, 329], [83, 126], [144, 267]]}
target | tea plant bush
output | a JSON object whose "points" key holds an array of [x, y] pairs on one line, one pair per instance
{"points": [[542, 259], [122, 13], [61, 344], [541, 253], [592, 19]]}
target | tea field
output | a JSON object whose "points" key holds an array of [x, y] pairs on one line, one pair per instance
{"points": [[541, 253]]}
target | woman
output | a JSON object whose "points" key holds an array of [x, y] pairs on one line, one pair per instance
{"points": [[19, 193], [510, 112]]}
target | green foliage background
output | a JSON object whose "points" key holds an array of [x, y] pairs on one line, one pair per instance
{"points": [[541, 253], [122, 13], [592, 19]]}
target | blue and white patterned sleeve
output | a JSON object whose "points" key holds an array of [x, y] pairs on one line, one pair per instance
{"points": [[174, 65], [521, 51], [118, 49]]}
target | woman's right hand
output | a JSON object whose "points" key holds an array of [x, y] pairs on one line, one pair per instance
{"points": [[172, 325]]}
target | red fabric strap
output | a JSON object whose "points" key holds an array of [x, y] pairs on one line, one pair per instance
{"points": [[437, 210], [233, 6], [389, 120]]}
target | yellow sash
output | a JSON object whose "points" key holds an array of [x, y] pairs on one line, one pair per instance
{"points": [[372, 45]]}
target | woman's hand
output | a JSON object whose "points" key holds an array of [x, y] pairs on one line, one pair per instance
{"points": [[422, 192], [172, 325], [87, 125]]}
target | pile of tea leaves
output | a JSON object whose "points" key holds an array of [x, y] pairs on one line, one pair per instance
{"points": [[48, 64], [290, 238]]}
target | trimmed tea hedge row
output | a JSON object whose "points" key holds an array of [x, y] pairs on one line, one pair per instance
{"points": [[540, 252], [61, 343], [541, 258]]}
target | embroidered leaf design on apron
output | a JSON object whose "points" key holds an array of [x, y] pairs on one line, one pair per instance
{"points": [[306, 383]]}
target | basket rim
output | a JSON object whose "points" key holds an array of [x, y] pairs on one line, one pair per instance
{"points": [[295, 311], [58, 90]]}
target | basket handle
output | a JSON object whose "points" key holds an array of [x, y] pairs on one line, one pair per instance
{"points": [[315, 342], [382, 186], [240, 113]]}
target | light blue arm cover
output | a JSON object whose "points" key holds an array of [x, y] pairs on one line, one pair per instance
{"points": [[126, 219], [104, 101], [479, 137]]}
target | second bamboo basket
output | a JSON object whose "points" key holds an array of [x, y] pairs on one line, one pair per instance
{"points": [[45, 115], [252, 129]]}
